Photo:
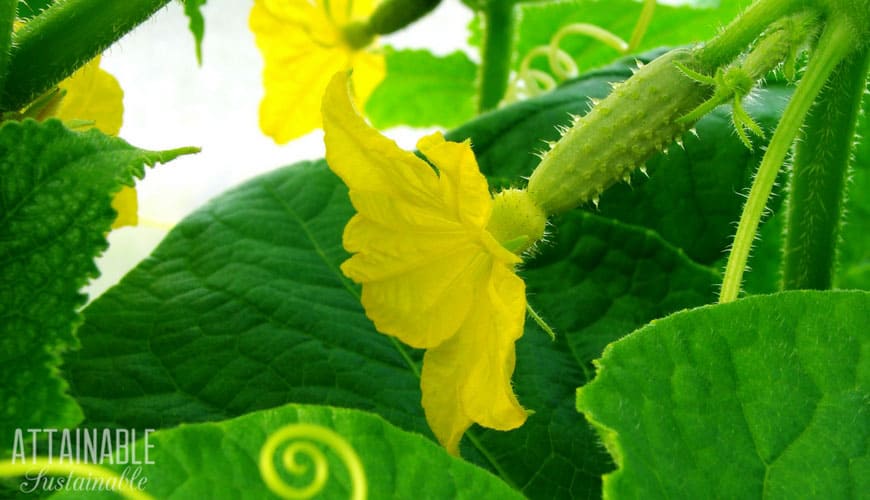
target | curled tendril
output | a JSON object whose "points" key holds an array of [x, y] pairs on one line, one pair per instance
{"points": [[302, 439], [530, 82], [8, 469]]}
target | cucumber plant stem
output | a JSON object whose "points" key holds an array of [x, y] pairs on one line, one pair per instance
{"points": [[742, 31], [51, 46], [498, 42], [835, 43], [819, 174]]}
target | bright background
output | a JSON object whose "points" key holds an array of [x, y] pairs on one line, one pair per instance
{"points": [[170, 102]]}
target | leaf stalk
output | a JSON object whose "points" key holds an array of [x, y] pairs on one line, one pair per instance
{"points": [[835, 43], [51, 46], [819, 173]]}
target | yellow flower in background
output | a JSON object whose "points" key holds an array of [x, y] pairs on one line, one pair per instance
{"points": [[93, 95], [431, 273], [303, 46]]}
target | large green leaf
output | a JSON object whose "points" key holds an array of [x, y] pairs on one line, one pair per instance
{"points": [[422, 90], [220, 460], [596, 281], [56, 189], [243, 307], [765, 397], [690, 196]]}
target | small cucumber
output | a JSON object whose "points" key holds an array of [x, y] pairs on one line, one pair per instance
{"points": [[639, 118]]}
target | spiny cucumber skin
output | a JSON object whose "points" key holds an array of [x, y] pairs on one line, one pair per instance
{"points": [[638, 119]]}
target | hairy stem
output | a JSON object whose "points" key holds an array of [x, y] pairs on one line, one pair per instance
{"points": [[498, 42], [51, 46], [818, 183], [835, 43], [742, 31]]}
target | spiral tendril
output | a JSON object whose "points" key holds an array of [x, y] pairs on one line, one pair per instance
{"points": [[530, 82], [304, 436]]}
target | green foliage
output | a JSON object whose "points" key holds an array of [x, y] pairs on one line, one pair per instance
{"points": [[193, 11], [243, 307], [422, 90], [220, 460], [233, 316], [56, 189], [765, 397], [242, 322]]}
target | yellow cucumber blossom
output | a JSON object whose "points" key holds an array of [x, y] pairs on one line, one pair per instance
{"points": [[432, 274], [304, 43]]}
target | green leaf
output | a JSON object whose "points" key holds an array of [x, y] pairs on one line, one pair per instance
{"points": [[220, 460], [56, 189], [539, 22], [596, 281], [764, 397], [247, 290], [689, 197], [192, 9], [423, 90], [243, 307]]}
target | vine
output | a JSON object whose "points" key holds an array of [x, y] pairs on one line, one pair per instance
{"points": [[835, 43]]}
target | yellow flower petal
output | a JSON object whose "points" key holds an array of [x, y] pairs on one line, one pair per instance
{"points": [[369, 70], [302, 47], [431, 274], [126, 204], [93, 94], [412, 228], [468, 378]]}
